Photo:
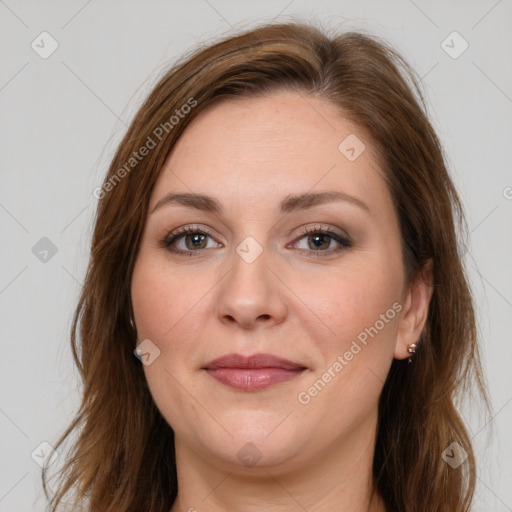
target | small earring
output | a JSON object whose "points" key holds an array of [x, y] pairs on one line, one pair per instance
{"points": [[412, 350], [131, 323]]}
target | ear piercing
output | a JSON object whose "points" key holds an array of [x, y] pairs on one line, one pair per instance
{"points": [[412, 350]]}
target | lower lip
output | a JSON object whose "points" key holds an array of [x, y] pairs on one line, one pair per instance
{"points": [[252, 379]]}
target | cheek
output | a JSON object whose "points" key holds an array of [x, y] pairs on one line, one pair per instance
{"points": [[171, 309], [162, 298], [350, 303], [359, 310], [164, 309]]}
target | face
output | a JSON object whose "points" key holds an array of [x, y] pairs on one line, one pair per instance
{"points": [[294, 255]]}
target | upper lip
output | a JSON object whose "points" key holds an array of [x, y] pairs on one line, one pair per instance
{"points": [[253, 361]]}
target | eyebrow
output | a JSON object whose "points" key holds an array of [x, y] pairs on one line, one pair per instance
{"points": [[289, 204]]}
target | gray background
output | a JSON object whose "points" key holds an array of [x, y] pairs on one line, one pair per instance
{"points": [[61, 117]]}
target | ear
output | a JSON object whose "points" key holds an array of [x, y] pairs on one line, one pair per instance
{"points": [[415, 311]]}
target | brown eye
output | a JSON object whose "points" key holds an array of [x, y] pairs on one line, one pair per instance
{"points": [[320, 240], [188, 240], [195, 241]]}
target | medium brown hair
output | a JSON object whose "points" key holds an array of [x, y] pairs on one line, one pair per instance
{"points": [[123, 457]]}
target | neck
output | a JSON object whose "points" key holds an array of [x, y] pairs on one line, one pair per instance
{"points": [[339, 478]]}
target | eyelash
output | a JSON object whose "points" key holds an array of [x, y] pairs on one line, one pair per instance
{"points": [[191, 230]]}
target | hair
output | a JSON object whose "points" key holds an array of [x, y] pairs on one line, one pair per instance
{"points": [[123, 457]]}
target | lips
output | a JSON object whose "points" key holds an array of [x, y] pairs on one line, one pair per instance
{"points": [[252, 373]]}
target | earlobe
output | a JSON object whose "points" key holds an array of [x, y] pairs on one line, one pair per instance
{"points": [[415, 312]]}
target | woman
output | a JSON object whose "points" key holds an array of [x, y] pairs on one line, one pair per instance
{"points": [[276, 241]]}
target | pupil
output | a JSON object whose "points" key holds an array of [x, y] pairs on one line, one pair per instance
{"points": [[196, 238], [320, 239]]}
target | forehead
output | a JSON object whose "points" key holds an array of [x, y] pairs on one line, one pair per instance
{"points": [[261, 148]]}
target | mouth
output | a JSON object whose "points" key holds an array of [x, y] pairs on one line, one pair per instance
{"points": [[252, 373]]}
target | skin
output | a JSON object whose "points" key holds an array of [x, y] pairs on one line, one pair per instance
{"points": [[250, 154]]}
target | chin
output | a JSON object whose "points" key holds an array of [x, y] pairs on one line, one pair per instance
{"points": [[260, 439]]}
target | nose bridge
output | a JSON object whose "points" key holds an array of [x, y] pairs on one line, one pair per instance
{"points": [[249, 275], [250, 250], [251, 291]]}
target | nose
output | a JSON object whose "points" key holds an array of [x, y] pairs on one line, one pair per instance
{"points": [[251, 294]]}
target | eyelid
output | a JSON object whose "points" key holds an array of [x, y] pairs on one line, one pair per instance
{"points": [[322, 229]]}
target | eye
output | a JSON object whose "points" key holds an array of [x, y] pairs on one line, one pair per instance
{"points": [[187, 240], [321, 240]]}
